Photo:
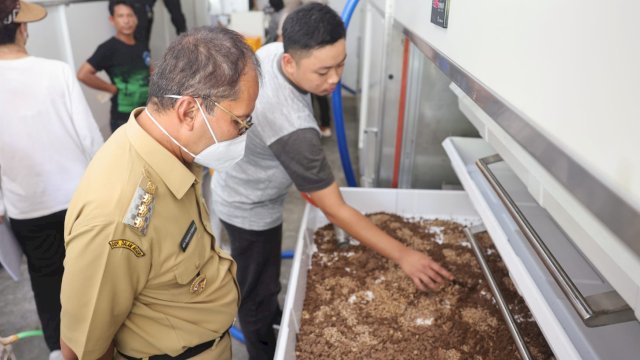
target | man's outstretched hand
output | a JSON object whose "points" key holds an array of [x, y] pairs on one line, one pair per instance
{"points": [[424, 271]]}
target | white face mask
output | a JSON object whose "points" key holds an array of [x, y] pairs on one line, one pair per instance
{"points": [[218, 156]]}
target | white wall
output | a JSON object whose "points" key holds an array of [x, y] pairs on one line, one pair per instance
{"points": [[571, 67], [71, 34]]}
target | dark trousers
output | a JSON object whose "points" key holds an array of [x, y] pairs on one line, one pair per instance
{"points": [[323, 108], [177, 17], [277, 5], [42, 241], [144, 12], [257, 254]]}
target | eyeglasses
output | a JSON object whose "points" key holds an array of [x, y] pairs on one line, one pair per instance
{"points": [[243, 125]]}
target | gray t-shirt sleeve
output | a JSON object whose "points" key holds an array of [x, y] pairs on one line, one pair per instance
{"points": [[301, 155]]}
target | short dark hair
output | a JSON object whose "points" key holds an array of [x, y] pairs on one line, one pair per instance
{"points": [[114, 3], [8, 33], [310, 27], [205, 61]]}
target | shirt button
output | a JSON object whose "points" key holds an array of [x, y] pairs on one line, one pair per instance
{"points": [[197, 264]]}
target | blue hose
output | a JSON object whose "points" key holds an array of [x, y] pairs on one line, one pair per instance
{"points": [[348, 10], [237, 334], [338, 114]]}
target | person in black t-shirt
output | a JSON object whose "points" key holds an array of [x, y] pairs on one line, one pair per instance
{"points": [[126, 61]]}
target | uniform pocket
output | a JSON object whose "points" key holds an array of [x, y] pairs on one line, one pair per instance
{"points": [[191, 261]]}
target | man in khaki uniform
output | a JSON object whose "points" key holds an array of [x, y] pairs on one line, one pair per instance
{"points": [[143, 273]]}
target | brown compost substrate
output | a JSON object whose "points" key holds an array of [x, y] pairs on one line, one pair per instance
{"points": [[359, 305]]}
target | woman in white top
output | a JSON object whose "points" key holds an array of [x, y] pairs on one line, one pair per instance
{"points": [[47, 138]]}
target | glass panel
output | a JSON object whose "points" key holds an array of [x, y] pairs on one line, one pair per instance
{"points": [[432, 115]]}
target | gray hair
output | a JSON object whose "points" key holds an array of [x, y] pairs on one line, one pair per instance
{"points": [[205, 62]]}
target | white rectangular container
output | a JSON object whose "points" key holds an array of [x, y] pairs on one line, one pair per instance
{"points": [[451, 205]]}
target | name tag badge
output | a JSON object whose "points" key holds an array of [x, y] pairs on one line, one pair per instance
{"points": [[188, 236]]}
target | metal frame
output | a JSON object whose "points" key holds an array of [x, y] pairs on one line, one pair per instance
{"points": [[368, 133], [412, 108], [389, 21], [594, 310], [497, 294], [619, 215]]}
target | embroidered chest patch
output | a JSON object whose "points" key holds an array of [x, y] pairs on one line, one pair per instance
{"points": [[126, 244]]}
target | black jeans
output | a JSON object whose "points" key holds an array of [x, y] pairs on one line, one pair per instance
{"points": [[144, 12], [257, 254], [42, 241], [177, 16]]}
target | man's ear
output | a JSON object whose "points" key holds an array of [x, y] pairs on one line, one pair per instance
{"points": [[112, 20], [187, 111], [288, 64]]}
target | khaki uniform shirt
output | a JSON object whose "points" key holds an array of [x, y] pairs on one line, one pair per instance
{"points": [[142, 267]]}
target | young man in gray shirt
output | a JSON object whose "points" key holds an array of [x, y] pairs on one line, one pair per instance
{"points": [[282, 149]]}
